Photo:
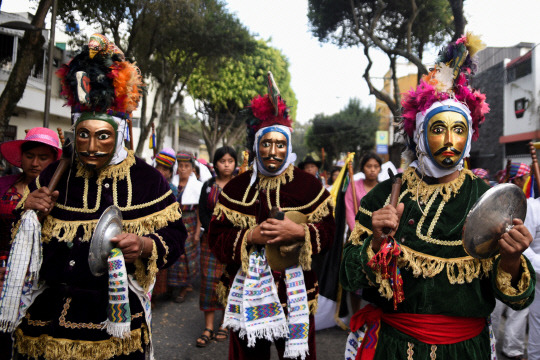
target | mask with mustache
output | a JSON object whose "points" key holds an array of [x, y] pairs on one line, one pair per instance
{"points": [[273, 150], [447, 136], [95, 142]]}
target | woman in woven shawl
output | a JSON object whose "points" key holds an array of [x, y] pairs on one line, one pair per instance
{"points": [[184, 272], [211, 268]]}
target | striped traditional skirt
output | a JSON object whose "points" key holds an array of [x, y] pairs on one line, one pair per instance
{"points": [[185, 270], [211, 270]]}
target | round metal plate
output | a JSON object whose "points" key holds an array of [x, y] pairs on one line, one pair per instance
{"points": [[108, 226], [490, 217]]}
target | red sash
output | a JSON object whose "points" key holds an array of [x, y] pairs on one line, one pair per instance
{"points": [[429, 329]]}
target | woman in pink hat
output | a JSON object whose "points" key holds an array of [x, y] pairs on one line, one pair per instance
{"points": [[39, 148]]}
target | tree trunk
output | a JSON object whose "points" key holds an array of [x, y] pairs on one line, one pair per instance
{"points": [[30, 50], [145, 128], [459, 18]]}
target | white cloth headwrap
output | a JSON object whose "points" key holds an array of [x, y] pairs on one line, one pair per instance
{"points": [[425, 163], [258, 167], [120, 153]]}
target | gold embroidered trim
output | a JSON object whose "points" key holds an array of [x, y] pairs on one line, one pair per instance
{"points": [[238, 219], [145, 275], [322, 208], [317, 237], [434, 221], [245, 253], [357, 232], [417, 187], [36, 322], [71, 325], [236, 241], [243, 202], [66, 230], [304, 260], [26, 192], [222, 294], [165, 246], [410, 351], [433, 354], [365, 211], [57, 348], [504, 280]]}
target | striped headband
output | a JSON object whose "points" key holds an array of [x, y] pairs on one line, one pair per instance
{"points": [[165, 159]]}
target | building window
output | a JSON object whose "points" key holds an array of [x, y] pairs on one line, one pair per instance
{"points": [[519, 69], [6, 51]]}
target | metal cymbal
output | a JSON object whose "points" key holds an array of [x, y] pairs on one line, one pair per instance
{"points": [[490, 217], [108, 226]]}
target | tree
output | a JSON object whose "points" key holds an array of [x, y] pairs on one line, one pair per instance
{"points": [[351, 129], [169, 39], [401, 29], [30, 50], [223, 93]]}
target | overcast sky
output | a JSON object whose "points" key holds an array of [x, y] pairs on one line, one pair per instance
{"points": [[325, 77]]}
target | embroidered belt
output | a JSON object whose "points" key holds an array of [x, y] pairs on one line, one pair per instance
{"points": [[427, 328]]}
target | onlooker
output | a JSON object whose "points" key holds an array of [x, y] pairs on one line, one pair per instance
{"points": [[532, 222], [311, 166], [39, 148], [482, 174], [182, 274], [333, 176], [165, 163], [211, 267]]}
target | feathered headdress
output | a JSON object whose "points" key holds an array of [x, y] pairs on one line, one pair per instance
{"points": [[448, 80], [265, 111], [100, 80]]}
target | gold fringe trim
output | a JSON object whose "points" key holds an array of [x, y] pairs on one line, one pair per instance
{"points": [[145, 275], [504, 280], [66, 230], [313, 305], [53, 348], [458, 270], [272, 182], [420, 189], [304, 260], [358, 231], [245, 253], [117, 172], [26, 192], [322, 210], [222, 294], [238, 219]]}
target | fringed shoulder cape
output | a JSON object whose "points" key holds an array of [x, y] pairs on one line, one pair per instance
{"points": [[439, 277], [65, 320], [241, 207]]}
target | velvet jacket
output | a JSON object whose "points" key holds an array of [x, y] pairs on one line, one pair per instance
{"points": [[242, 207], [64, 320], [439, 277]]}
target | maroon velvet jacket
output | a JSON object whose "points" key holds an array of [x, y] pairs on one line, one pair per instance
{"points": [[242, 207]]}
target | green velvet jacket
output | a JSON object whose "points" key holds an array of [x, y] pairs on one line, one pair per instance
{"points": [[438, 275]]}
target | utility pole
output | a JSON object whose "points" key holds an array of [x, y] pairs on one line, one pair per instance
{"points": [[50, 67]]}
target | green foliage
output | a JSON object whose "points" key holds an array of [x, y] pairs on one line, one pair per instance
{"points": [[333, 21], [225, 90], [351, 129], [231, 87]]}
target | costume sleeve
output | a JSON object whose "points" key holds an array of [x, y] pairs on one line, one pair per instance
{"points": [[520, 296], [227, 240], [355, 273], [319, 231], [205, 214]]}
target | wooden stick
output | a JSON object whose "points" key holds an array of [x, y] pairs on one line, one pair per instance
{"points": [[353, 186], [130, 128], [535, 167], [507, 175], [61, 136]]}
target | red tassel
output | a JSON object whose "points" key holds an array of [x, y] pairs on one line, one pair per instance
{"points": [[385, 262]]}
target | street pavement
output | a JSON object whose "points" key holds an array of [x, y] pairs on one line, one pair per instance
{"points": [[175, 328]]}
